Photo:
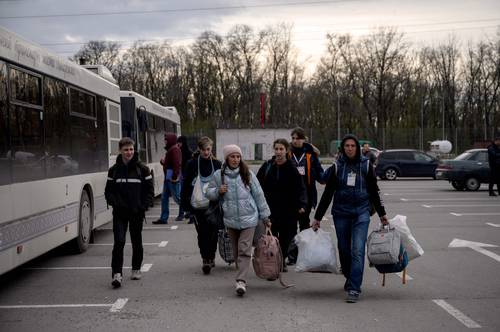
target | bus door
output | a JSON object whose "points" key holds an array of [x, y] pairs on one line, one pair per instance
{"points": [[114, 130]]}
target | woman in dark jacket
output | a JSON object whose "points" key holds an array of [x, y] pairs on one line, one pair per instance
{"points": [[353, 186], [186, 154], [285, 194], [205, 164]]}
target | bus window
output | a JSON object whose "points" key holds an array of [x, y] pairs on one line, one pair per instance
{"points": [[82, 103], [4, 138], [25, 87], [28, 159], [57, 131]]}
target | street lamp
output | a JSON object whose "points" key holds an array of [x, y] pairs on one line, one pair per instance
{"points": [[338, 116]]}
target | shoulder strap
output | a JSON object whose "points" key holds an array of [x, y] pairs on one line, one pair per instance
{"points": [[268, 168], [308, 161], [222, 169]]}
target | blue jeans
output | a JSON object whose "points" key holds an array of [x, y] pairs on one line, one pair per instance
{"points": [[169, 189], [351, 236]]}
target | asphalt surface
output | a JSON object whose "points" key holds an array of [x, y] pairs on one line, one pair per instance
{"points": [[450, 288]]}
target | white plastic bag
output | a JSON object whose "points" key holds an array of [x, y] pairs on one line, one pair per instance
{"points": [[413, 249], [316, 252], [198, 198]]}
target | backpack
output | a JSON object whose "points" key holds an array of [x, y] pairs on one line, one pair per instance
{"points": [[383, 246], [399, 266], [267, 258]]}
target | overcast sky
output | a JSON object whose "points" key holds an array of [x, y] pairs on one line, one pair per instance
{"points": [[70, 23]]}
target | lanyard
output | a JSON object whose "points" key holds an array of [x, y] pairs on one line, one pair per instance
{"points": [[298, 161]]}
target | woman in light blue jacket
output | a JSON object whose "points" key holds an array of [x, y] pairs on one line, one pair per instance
{"points": [[244, 205]]}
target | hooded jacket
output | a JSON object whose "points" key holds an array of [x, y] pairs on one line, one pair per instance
{"points": [[243, 206], [494, 157], [173, 156], [284, 190], [350, 199], [129, 186], [308, 158]]}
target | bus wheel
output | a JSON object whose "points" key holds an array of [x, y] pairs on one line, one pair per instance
{"points": [[81, 243]]}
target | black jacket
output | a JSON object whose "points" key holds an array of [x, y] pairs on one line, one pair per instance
{"points": [[494, 156], [192, 173], [129, 186], [283, 188]]}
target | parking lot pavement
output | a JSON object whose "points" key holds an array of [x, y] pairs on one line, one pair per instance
{"points": [[454, 286]]}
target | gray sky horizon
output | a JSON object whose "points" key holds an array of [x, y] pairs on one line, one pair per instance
{"points": [[64, 26]]}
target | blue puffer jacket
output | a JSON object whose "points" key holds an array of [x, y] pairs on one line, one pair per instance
{"points": [[243, 206], [351, 200]]}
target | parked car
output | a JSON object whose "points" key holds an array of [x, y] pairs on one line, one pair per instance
{"points": [[467, 171], [392, 164]]}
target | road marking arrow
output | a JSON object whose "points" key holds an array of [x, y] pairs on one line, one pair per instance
{"points": [[492, 224], [476, 246]]}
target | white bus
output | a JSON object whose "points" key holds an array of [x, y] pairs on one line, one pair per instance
{"points": [[59, 130], [146, 122]]}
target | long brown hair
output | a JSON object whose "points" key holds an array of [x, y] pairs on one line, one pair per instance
{"points": [[244, 172]]}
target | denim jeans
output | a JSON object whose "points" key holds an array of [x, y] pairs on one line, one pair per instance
{"points": [[351, 236], [169, 189]]}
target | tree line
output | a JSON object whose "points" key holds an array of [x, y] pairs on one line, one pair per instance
{"points": [[387, 89]]}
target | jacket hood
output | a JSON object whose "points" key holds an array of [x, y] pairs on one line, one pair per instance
{"points": [[170, 140], [308, 147], [358, 147]]}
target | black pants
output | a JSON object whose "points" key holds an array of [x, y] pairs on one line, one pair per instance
{"points": [[207, 234], [121, 220], [285, 230], [494, 179], [304, 218]]}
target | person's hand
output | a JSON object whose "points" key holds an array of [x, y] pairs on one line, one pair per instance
{"points": [[267, 222], [302, 210], [315, 224], [223, 189], [384, 220]]}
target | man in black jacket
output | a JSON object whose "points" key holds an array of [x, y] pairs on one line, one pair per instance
{"points": [[494, 162], [129, 190]]}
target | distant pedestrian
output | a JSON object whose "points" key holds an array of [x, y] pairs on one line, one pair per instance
{"points": [[369, 153], [130, 191], [172, 170], [305, 157], [204, 164], [352, 183], [494, 162], [285, 194], [187, 154], [244, 204]]}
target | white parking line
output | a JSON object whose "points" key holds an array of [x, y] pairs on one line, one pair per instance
{"points": [[163, 244], [442, 199], [145, 268], [476, 214], [457, 314], [458, 205], [114, 307], [492, 224], [174, 227], [408, 277], [129, 244]]}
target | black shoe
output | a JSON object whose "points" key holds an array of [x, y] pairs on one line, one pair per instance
{"points": [[492, 193], [212, 263], [285, 269], [352, 297], [206, 267], [290, 263], [179, 218], [160, 222]]}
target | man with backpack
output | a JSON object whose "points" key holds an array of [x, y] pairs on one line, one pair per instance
{"points": [[352, 183], [130, 191]]}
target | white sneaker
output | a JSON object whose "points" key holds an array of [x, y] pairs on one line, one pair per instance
{"points": [[136, 275], [117, 280], [240, 287]]}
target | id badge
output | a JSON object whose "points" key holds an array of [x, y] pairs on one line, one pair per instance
{"points": [[351, 179], [302, 170]]}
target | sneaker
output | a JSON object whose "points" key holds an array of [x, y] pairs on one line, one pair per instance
{"points": [[352, 297], [290, 262], [241, 287], [179, 218], [117, 280], [136, 275], [206, 266], [285, 269], [187, 215], [160, 222], [212, 263], [492, 193]]}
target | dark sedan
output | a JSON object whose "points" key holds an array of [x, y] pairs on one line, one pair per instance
{"points": [[405, 163], [467, 171]]}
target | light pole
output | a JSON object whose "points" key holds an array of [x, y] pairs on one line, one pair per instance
{"points": [[338, 117], [442, 107]]}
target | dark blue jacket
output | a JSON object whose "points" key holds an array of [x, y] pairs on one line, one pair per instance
{"points": [[354, 200]]}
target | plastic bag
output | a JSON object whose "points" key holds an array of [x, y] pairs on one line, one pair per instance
{"points": [[316, 252], [198, 198], [411, 245]]}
